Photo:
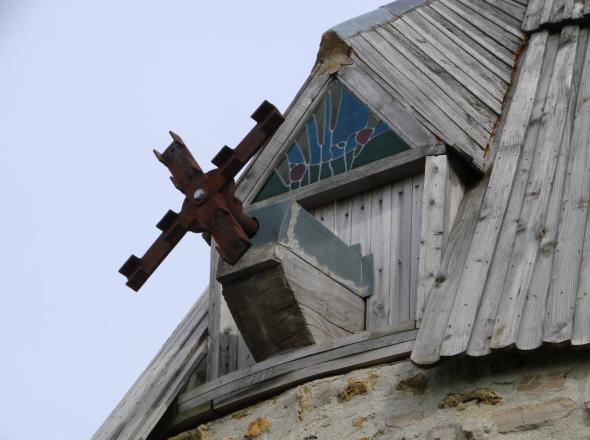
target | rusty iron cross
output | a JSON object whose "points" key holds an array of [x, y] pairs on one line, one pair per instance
{"points": [[210, 205]]}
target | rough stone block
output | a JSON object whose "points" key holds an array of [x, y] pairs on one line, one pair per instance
{"points": [[403, 420], [476, 429], [448, 432], [542, 382], [531, 416]]}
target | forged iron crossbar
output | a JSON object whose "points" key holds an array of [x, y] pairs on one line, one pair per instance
{"points": [[210, 205]]}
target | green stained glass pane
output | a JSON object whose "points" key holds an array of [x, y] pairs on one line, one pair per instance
{"points": [[273, 187], [342, 134]]}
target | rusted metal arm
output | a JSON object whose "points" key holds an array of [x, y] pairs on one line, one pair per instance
{"points": [[210, 204]]}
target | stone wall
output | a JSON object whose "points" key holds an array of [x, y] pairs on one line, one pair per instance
{"points": [[507, 396]]}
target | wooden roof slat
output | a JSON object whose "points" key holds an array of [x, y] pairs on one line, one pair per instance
{"points": [[481, 252], [478, 36], [483, 328], [550, 5], [386, 52], [443, 192], [533, 316], [432, 65], [510, 8], [581, 327], [401, 75], [495, 15], [487, 26], [483, 57], [566, 264], [538, 190], [545, 13], [487, 87], [436, 315], [532, 16]]}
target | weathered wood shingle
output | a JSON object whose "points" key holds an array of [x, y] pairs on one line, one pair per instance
{"points": [[551, 13], [522, 280], [449, 62]]}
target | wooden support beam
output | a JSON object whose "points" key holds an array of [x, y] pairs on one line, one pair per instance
{"points": [[223, 332], [443, 191]]}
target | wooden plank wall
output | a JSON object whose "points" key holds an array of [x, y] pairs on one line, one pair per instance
{"points": [[385, 222]]}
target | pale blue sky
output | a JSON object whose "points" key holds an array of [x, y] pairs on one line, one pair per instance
{"points": [[87, 89]]}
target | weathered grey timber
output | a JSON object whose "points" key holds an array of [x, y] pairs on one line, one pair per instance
{"points": [[223, 334], [443, 192], [297, 285], [157, 387], [464, 93], [524, 279], [386, 223], [551, 13], [277, 373], [439, 70]]}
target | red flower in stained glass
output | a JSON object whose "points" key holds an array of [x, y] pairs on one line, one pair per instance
{"points": [[363, 136], [297, 172]]}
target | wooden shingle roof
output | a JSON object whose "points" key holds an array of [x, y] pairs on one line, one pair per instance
{"points": [[436, 70], [449, 62], [515, 272], [552, 13]]}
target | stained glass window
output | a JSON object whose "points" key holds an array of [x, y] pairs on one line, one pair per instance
{"points": [[342, 134]]}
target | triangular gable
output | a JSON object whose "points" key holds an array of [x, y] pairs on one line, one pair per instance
{"points": [[364, 92], [434, 73], [341, 134]]}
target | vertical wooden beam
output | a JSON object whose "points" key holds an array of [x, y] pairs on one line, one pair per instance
{"points": [[222, 351], [378, 304], [443, 192], [417, 198], [454, 191]]}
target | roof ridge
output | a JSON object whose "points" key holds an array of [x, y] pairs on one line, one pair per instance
{"points": [[376, 17]]}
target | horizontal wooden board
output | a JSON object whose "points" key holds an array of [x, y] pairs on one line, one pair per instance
{"points": [[288, 369]]}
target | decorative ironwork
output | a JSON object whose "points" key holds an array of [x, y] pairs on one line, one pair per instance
{"points": [[210, 205]]}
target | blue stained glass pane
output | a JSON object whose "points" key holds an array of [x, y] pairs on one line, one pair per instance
{"points": [[315, 149], [295, 155], [341, 134]]}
